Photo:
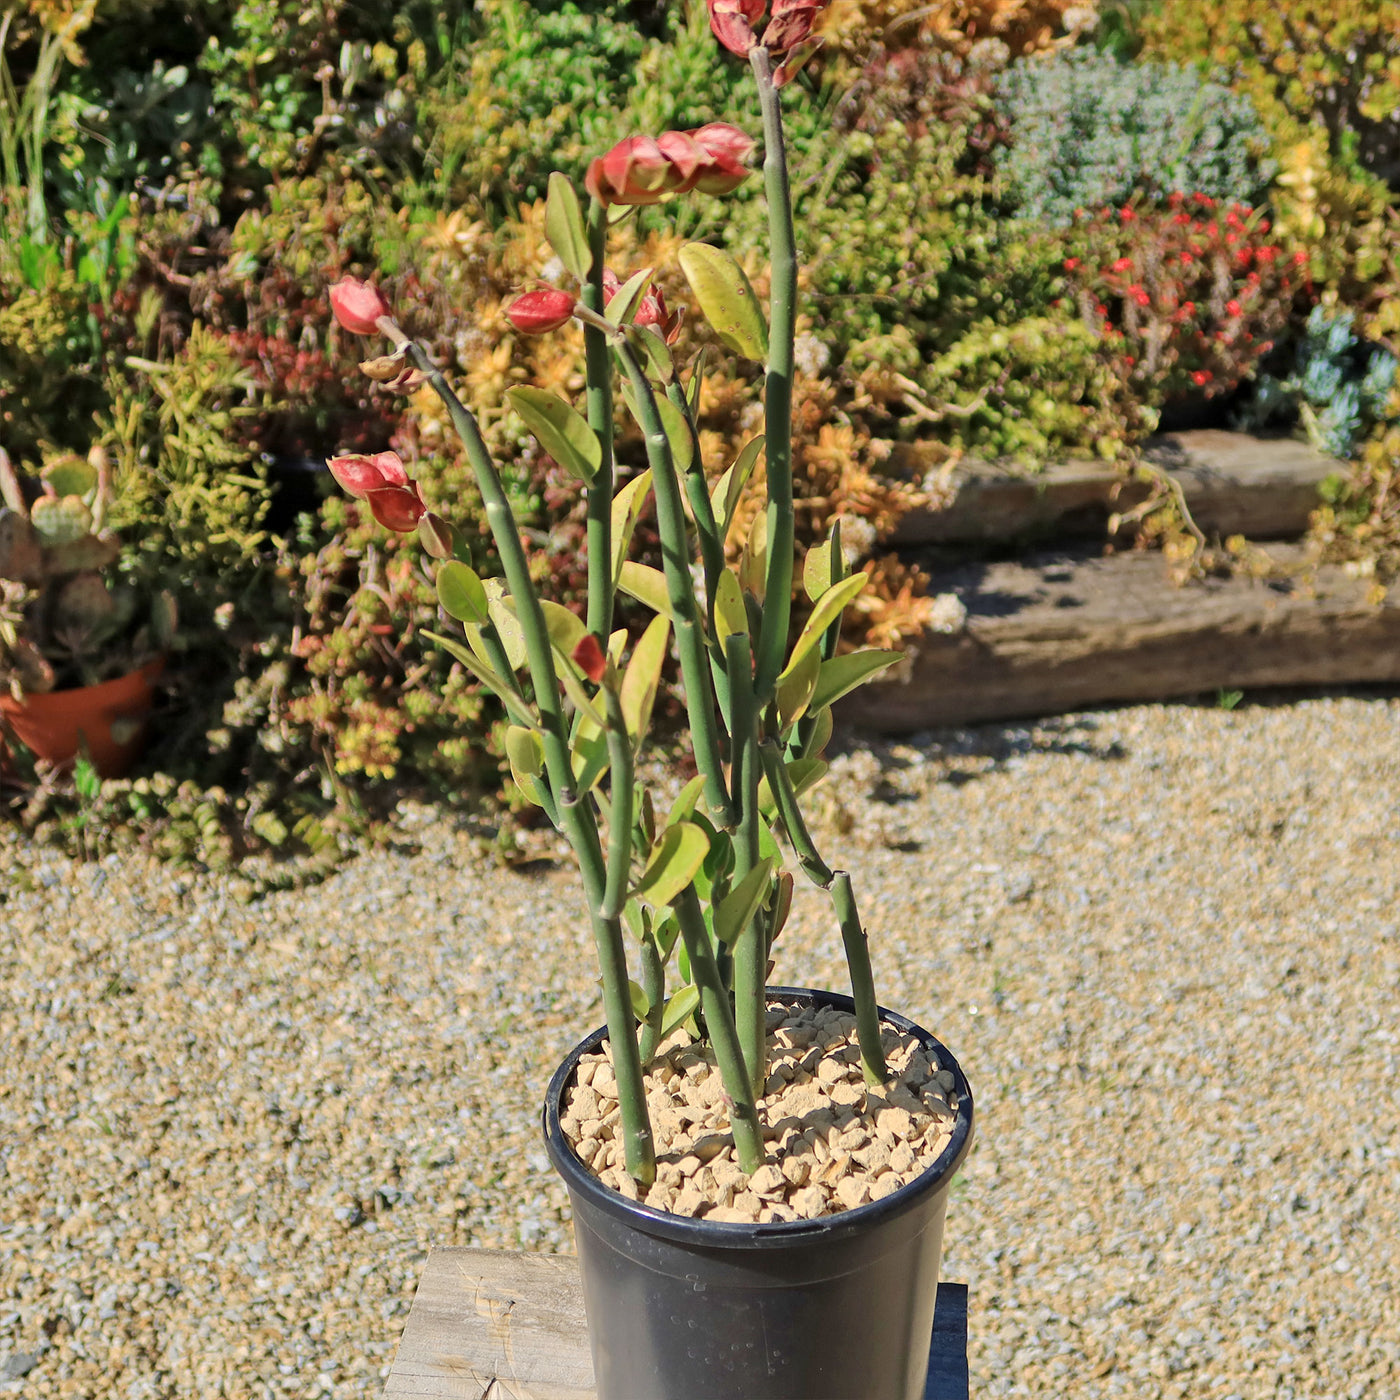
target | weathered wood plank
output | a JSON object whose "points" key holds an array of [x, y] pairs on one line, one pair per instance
{"points": [[498, 1325], [1263, 488], [482, 1316], [1058, 632]]}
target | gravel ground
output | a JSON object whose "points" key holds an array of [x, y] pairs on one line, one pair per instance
{"points": [[1162, 941]]}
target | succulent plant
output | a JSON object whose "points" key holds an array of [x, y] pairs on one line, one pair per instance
{"points": [[62, 620]]}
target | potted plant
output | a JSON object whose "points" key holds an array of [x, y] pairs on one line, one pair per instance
{"points": [[80, 650], [758, 1174]]}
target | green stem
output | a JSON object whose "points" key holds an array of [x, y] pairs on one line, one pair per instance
{"points": [[719, 1022], [680, 588], [654, 985], [576, 818], [837, 884], [750, 950], [698, 494], [782, 313], [598, 369], [620, 813]]}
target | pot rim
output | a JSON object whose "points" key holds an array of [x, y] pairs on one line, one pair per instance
{"points": [[690, 1230]]}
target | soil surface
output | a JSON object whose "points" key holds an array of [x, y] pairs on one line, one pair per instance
{"points": [[1163, 943], [833, 1142]]}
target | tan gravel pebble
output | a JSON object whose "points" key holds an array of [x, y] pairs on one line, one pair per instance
{"points": [[1164, 943]]}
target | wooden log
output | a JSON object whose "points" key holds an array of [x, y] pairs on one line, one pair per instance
{"points": [[1234, 484], [1058, 632], [499, 1325]]}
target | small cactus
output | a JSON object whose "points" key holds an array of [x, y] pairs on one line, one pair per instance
{"points": [[61, 621]]}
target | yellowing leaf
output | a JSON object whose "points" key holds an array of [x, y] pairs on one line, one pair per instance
{"points": [[725, 497], [627, 507], [646, 585], [731, 615], [796, 688], [816, 570], [829, 607], [643, 676], [726, 299]]}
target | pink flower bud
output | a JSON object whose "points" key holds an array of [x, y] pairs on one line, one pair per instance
{"points": [[790, 24], [541, 311], [652, 312], [357, 306]]}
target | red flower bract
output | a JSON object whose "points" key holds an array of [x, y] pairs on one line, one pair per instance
{"points": [[357, 306], [381, 481], [541, 311], [643, 170], [590, 658]]}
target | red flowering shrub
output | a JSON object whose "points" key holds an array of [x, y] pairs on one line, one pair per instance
{"points": [[1187, 298]]}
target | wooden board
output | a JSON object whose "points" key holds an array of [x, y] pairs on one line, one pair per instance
{"points": [[1057, 632], [498, 1325], [1263, 488]]}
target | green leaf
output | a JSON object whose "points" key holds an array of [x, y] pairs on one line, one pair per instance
{"points": [[640, 1005], [731, 615], [646, 585], [678, 853], [658, 354], [492, 680], [816, 570], [571, 679], [627, 507], [796, 688], [643, 676], [70, 476], [666, 933], [561, 430], [726, 299], [623, 302], [737, 908], [829, 607], [461, 593], [842, 674], [782, 905], [697, 381], [525, 752], [679, 1010], [566, 629], [564, 227], [820, 736], [507, 624], [590, 759], [753, 562], [684, 804], [724, 499]]}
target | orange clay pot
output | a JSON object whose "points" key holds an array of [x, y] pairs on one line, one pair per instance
{"points": [[107, 720]]}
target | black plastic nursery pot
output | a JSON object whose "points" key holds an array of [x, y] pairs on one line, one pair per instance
{"points": [[839, 1308]]}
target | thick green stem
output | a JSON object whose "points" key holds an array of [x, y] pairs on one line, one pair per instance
{"points": [[782, 315], [698, 494], [837, 884], [680, 588], [750, 950], [654, 985], [576, 818], [620, 807], [598, 370], [719, 1022]]}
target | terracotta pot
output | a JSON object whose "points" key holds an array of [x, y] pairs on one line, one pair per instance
{"points": [[107, 720]]}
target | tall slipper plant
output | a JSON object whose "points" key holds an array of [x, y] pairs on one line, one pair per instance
{"points": [[692, 900]]}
